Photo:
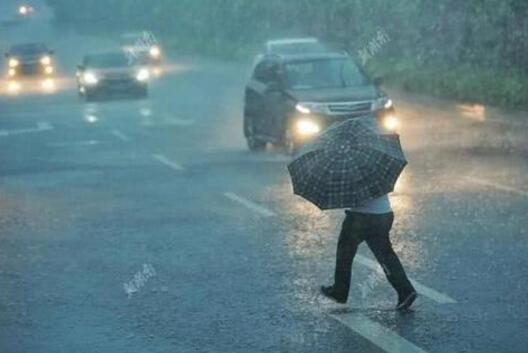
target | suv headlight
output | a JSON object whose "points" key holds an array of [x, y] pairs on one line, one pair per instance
{"points": [[155, 52], [90, 78], [307, 127], [311, 107], [382, 103], [391, 123], [143, 75], [45, 60], [13, 63]]}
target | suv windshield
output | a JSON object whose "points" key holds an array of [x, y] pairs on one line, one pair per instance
{"points": [[107, 61], [28, 49], [323, 73]]}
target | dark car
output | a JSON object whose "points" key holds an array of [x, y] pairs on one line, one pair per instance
{"points": [[29, 62], [291, 99], [111, 74]]}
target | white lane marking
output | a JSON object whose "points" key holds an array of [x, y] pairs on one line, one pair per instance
{"points": [[145, 112], [178, 121], [430, 293], [164, 160], [249, 204], [497, 186], [74, 143], [379, 335], [120, 135], [41, 126]]}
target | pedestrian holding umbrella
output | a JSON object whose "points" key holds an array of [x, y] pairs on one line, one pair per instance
{"points": [[353, 166]]}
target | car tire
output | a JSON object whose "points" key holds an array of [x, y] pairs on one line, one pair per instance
{"points": [[254, 144], [289, 144], [142, 93]]}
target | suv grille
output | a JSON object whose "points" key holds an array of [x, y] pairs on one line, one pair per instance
{"points": [[117, 77], [350, 107]]}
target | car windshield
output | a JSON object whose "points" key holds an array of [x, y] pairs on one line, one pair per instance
{"points": [[107, 61], [324, 73], [28, 49]]}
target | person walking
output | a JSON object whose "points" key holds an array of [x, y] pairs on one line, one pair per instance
{"points": [[353, 166], [370, 222]]}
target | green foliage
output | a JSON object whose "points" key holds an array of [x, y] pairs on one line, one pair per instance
{"points": [[472, 50]]}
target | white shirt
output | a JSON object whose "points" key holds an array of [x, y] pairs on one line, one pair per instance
{"points": [[379, 205]]}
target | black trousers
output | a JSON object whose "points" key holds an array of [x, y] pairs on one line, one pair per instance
{"points": [[374, 229]]}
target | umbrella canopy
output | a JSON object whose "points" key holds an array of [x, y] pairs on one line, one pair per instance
{"points": [[348, 164]]}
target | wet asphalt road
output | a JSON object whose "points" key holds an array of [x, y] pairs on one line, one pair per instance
{"points": [[90, 193]]}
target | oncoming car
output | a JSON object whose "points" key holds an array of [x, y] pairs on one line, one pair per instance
{"points": [[29, 64], [111, 74], [25, 10], [291, 99]]}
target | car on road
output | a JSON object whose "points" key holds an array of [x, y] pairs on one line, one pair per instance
{"points": [[111, 74], [29, 64], [144, 47], [292, 98], [25, 10]]}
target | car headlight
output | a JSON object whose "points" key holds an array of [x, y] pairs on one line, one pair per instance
{"points": [[13, 63], [310, 107], [382, 103], [13, 87], [143, 75], [155, 52], [11, 72], [49, 70], [45, 60], [391, 123], [23, 10], [90, 78], [306, 127], [48, 84]]}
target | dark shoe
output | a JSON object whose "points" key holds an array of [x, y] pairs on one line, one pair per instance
{"points": [[329, 293], [405, 301]]}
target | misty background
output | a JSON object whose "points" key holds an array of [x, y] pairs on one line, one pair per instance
{"points": [[474, 50]]}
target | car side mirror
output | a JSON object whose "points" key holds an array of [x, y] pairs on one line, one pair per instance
{"points": [[378, 81]]}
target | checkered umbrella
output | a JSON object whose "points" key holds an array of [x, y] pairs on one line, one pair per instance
{"points": [[348, 164]]}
